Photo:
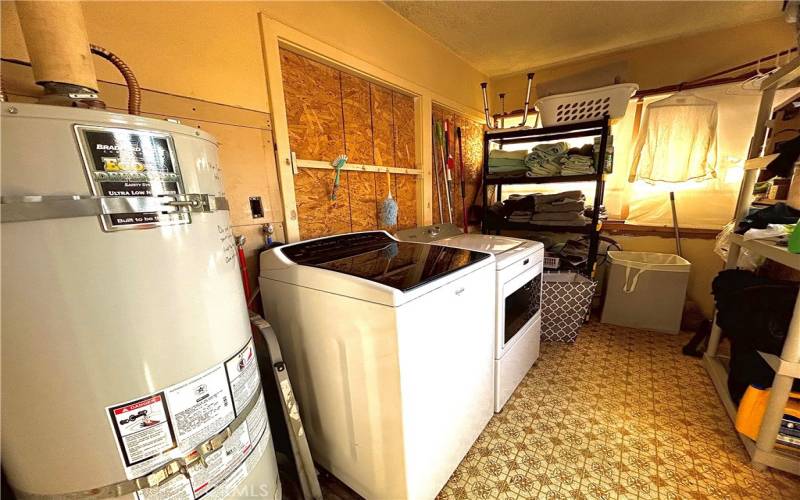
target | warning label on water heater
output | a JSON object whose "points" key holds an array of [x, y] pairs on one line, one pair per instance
{"points": [[143, 429], [157, 428]]}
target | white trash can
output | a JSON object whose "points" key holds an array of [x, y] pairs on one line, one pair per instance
{"points": [[646, 290]]}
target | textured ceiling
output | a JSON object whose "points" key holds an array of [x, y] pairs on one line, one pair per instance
{"points": [[499, 38]]}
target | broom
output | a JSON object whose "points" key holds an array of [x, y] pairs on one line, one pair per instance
{"points": [[388, 213]]}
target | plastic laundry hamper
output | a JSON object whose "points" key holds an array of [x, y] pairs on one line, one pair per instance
{"points": [[566, 299], [646, 290], [586, 105]]}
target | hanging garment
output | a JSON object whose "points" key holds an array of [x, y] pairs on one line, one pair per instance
{"points": [[677, 140]]}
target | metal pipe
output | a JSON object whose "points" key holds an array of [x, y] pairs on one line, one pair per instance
{"points": [[489, 123], [58, 45], [527, 101], [134, 90], [502, 96]]}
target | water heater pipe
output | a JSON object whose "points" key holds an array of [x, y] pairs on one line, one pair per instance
{"points": [[58, 45], [134, 91]]}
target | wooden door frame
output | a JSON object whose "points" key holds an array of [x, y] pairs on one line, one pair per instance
{"points": [[275, 36]]}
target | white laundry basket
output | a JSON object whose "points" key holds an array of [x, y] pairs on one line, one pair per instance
{"points": [[646, 290], [585, 105]]}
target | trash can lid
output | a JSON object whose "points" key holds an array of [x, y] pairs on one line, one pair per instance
{"points": [[650, 260]]}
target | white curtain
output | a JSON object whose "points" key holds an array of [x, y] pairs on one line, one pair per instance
{"points": [[705, 204]]}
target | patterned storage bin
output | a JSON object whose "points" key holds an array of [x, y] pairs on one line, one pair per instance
{"points": [[566, 299]]}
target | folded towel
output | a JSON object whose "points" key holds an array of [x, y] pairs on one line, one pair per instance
{"points": [[544, 169], [502, 162], [557, 216], [561, 206], [583, 221], [544, 160], [494, 168], [574, 195], [507, 155], [551, 149], [577, 165]]}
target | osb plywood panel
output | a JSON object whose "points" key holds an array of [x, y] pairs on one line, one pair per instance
{"points": [[406, 201], [313, 96], [363, 201], [357, 112], [404, 143], [473, 159], [381, 192], [317, 214], [472, 144], [382, 126]]}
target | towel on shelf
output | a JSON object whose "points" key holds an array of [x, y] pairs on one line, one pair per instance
{"points": [[579, 221], [521, 202], [550, 150], [556, 216], [574, 195], [507, 162], [501, 154], [507, 167], [561, 206], [577, 165], [544, 160], [520, 216], [546, 169]]}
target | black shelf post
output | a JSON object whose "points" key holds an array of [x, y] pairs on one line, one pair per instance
{"points": [[596, 128]]}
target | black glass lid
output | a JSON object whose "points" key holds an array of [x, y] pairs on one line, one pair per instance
{"points": [[377, 257]]}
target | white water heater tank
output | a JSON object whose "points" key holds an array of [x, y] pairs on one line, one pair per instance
{"points": [[128, 367]]}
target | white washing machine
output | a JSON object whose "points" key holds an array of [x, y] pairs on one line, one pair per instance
{"points": [[390, 347], [518, 298]]}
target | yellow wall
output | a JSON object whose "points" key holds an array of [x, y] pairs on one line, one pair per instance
{"points": [[669, 62], [212, 50]]}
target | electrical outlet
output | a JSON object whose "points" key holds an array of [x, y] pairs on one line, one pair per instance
{"points": [[256, 208]]}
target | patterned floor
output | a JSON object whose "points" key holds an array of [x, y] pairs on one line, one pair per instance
{"points": [[619, 414]]}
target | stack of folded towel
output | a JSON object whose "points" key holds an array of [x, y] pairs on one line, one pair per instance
{"points": [[560, 209], [544, 160], [577, 165], [547, 160], [507, 163], [519, 207]]}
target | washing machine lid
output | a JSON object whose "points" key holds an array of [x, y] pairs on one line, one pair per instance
{"points": [[483, 242], [507, 251], [377, 257]]}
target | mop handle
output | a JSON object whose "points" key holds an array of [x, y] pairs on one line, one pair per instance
{"points": [[463, 180]]}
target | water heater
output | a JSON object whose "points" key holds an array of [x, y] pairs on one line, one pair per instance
{"points": [[128, 367]]}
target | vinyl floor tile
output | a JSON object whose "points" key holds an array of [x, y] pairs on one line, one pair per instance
{"points": [[619, 414]]}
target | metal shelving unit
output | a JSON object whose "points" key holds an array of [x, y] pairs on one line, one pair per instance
{"points": [[763, 452], [597, 128]]}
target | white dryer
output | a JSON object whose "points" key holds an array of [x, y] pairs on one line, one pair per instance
{"points": [[390, 347], [518, 298]]}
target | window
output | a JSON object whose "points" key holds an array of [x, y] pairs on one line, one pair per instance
{"points": [[706, 204]]}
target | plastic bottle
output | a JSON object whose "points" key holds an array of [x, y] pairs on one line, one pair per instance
{"points": [[794, 240]]}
